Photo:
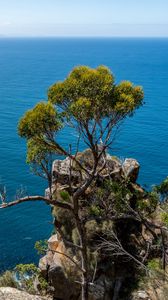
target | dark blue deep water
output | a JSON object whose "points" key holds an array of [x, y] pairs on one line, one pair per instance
{"points": [[27, 68]]}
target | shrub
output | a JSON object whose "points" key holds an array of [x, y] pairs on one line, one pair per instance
{"points": [[8, 279]]}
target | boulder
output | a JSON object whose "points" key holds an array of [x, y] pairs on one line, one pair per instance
{"points": [[53, 242], [101, 289], [130, 169], [44, 264], [140, 295], [114, 167], [52, 267], [58, 280], [8, 293], [61, 171]]}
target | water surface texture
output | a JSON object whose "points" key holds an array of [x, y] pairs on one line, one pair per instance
{"points": [[27, 68]]}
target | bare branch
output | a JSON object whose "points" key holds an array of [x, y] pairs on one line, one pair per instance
{"points": [[38, 198], [70, 258], [114, 246]]}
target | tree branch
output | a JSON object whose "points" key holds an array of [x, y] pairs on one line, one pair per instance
{"points": [[38, 198], [70, 258]]}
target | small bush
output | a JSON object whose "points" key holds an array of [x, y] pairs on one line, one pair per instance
{"points": [[164, 217], [26, 275], [65, 196], [154, 264], [8, 280], [41, 247]]}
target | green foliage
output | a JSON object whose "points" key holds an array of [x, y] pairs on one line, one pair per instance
{"points": [[36, 152], [28, 269], [95, 210], [8, 280], [142, 204], [156, 272], [164, 217], [43, 119], [148, 203], [43, 283], [65, 196], [41, 246], [127, 97], [40, 159], [154, 199], [88, 94], [92, 228], [66, 220], [162, 189], [154, 264], [26, 275], [121, 195]]}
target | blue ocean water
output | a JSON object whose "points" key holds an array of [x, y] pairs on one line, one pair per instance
{"points": [[27, 68]]}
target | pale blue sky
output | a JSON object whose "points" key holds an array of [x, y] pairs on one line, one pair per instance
{"points": [[84, 18]]}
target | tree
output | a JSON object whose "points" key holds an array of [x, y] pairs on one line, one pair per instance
{"points": [[94, 106], [40, 159]]}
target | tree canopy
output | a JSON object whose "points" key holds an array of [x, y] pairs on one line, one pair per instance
{"points": [[88, 100]]}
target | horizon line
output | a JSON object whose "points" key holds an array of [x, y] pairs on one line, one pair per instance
{"points": [[81, 36]]}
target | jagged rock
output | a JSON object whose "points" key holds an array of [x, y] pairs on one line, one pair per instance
{"points": [[114, 167], [52, 267], [130, 168], [61, 171], [55, 266], [8, 293], [53, 242], [140, 295], [44, 264], [59, 282], [101, 289], [51, 257]]}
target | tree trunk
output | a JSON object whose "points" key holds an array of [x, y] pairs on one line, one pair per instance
{"points": [[84, 258], [85, 290], [85, 279]]}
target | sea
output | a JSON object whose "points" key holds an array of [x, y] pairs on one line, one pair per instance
{"points": [[28, 67]]}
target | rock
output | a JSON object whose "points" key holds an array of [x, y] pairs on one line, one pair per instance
{"points": [[114, 167], [143, 295], [44, 264], [53, 242], [52, 267], [58, 280], [130, 168], [61, 171], [101, 289], [59, 271], [37, 285], [140, 295], [8, 293]]}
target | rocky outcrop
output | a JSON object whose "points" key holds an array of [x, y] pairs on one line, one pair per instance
{"points": [[54, 267], [112, 274], [129, 168], [8, 293]]}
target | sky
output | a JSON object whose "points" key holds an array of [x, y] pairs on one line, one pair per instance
{"points": [[117, 18]]}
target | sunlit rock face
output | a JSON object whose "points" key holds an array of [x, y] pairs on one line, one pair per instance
{"points": [[8, 293], [129, 168]]}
